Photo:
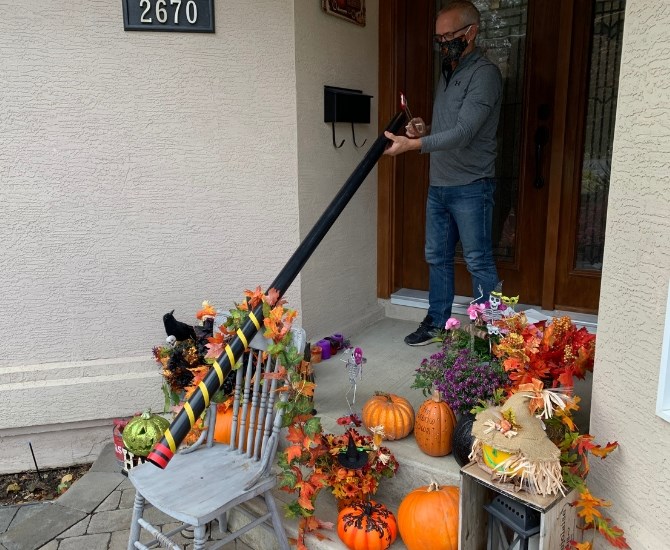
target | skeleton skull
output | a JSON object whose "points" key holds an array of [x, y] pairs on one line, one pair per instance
{"points": [[171, 341], [494, 301]]}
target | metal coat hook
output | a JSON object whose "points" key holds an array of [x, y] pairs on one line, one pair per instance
{"points": [[334, 142], [353, 135]]}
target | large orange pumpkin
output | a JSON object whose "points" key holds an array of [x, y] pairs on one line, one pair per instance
{"points": [[428, 518], [394, 413], [224, 423], [367, 526], [434, 426]]}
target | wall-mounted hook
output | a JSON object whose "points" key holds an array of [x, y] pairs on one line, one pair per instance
{"points": [[353, 135], [345, 105], [334, 142]]}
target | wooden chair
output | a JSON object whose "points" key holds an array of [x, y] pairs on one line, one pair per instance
{"points": [[204, 482]]}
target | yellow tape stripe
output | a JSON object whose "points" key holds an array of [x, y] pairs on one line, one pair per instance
{"points": [[189, 412], [255, 321], [242, 337], [170, 441], [219, 373], [205, 391], [231, 356]]}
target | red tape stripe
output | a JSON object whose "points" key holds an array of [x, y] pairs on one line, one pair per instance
{"points": [[164, 450], [157, 459]]}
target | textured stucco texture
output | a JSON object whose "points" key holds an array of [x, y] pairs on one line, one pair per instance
{"points": [[140, 172], [636, 477], [339, 283]]}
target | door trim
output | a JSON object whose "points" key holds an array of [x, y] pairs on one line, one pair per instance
{"points": [[555, 181], [391, 43]]}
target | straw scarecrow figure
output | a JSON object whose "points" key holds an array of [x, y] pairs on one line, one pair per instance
{"points": [[511, 443]]}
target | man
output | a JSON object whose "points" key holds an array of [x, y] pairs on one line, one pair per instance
{"points": [[462, 147]]}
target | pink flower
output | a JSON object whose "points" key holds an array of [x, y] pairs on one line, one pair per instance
{"points": [[475, 310], [452, 323]]}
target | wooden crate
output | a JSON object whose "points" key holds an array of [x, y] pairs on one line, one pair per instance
{"points": [[558, 520]]}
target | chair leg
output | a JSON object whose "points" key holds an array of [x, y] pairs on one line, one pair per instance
{"points": [[200, 537], [223, 522], [138, 509], [277, 522]]}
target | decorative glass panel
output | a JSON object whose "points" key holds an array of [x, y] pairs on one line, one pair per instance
{"points": [[502, 36], [600, 119]]}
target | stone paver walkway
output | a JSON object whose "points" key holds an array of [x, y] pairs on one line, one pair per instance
{"points": [[94, 514]]}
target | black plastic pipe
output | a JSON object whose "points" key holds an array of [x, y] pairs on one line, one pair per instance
{"points": [[163, 451]]}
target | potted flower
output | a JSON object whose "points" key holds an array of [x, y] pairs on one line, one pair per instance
{"points": [[346, 483], [466, 374]]}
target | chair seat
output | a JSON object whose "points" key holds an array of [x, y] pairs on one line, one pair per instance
{"points": [[219, 472]]}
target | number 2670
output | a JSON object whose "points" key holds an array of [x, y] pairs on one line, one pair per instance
{"points": [[161, 11]]}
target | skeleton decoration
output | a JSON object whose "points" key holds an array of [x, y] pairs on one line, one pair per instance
{"points": [[496, 307], [353, 357], [171, 341]]}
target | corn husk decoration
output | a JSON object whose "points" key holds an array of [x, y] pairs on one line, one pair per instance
{"points": [[511, 443]]}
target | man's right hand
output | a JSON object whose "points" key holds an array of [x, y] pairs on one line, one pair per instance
{"points": [[416, 128]]}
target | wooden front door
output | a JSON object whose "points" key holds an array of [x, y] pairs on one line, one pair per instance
{"points": [[559, 62]]}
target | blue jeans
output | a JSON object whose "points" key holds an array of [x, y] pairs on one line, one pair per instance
{"points": [[464, 213]]}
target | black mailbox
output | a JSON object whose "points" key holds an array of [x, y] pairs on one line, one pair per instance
{"points": [[345, 105]]}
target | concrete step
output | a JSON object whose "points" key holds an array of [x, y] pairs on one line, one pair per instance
{"points": [[390, 367]]}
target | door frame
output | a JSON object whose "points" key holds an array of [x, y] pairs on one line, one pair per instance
{"points": [[562, 174]]}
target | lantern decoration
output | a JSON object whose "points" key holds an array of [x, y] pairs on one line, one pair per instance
{"points": [[367, 525], [507, 515], [434, 426], [428, 518], [394, 413], [142, 432]]}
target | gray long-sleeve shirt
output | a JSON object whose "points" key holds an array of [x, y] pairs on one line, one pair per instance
{"points": [[462, 142]]}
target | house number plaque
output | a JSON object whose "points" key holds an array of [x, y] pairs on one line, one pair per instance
{"points": [[168, 15]]}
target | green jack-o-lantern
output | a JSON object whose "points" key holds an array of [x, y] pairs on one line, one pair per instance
{"points": [[142, 432]]}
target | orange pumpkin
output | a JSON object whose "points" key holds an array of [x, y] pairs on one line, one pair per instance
{"points": [[367, 526], [428, 518], [394, 413], [224, 423], [434, 427]]}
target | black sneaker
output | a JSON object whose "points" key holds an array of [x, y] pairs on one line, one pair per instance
{"points": [[424, 335]]}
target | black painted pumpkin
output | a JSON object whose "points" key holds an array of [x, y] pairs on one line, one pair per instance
{"points": [[462, 442]]}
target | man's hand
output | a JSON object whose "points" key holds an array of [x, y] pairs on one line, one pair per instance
{"points": [[400, 144]]}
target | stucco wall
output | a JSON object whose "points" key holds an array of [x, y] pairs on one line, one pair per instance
{"points": [[139, 172], [339, 282], [636, 478]]}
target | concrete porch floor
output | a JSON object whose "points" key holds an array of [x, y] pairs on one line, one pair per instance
{"points": [[95, 513]]}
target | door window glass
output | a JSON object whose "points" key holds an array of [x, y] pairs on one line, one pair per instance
{"points": [[603, 87], [502, 37]]}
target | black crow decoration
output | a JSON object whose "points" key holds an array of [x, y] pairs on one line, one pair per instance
{"points": [[181, 331]]}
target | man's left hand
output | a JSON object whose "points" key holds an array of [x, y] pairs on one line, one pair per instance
{"points": [[400, 144]]}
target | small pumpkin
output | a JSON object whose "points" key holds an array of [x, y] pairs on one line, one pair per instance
{"points": [[394, 413], [428, 518], [367, 525], [142, 432], [224, 423], [434, 426]]}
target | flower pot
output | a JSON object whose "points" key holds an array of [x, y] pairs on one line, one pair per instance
{"points": [[463, 438]]}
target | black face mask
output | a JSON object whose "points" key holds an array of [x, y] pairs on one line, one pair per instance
{"points": [[451, 50]]}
